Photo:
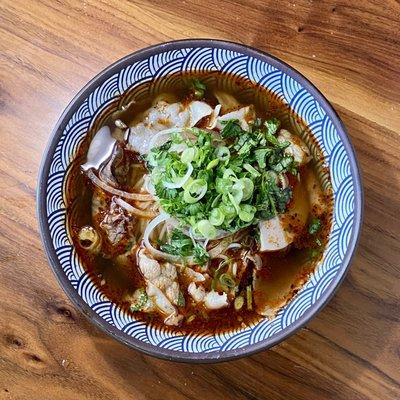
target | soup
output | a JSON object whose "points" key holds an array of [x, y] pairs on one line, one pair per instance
{"points": [[199, 202]]}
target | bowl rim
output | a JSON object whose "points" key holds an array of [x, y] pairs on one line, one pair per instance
{"points": [[147, 348]]}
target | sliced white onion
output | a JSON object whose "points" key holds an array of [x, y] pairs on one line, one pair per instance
{"points": [[182, 181], [234, 269], [256, 260], [162, 137], [234, 246], [213, 117], [126, 206], [284, 181], [148, 185], [131, 196]]}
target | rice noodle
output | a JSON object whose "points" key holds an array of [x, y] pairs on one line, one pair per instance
{"points": [[128, 207], [107, 188]]}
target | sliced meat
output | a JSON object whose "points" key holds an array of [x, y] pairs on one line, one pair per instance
{"points": [[149, 268], [197, 292], [116, 223], [227, 101], [161, 286], [297, 148], [273, 236], [164, 116], [245, 116]]}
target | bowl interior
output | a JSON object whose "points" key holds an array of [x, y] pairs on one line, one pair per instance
{"points": [[200, 55]]}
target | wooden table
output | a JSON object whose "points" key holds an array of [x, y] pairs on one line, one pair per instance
{"points": [[50, 48]]}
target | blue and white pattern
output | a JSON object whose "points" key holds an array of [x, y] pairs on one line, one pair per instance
{"points": [[213, 59]]}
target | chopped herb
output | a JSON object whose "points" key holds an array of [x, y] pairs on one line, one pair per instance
{"points": [[181, 300], [231, 128], [182, 245], [198, 88], [315, 226], [141, 301], [200, 255]]}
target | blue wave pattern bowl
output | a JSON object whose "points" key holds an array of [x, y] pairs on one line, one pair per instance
{"points": [[147, 65]]}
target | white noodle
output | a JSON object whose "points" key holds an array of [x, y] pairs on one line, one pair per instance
{"points": [[131, 196]]}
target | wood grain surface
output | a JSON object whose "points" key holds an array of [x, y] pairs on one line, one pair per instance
{"points": [[50, 48]]}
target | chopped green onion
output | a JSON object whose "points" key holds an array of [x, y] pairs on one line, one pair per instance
{"points": [[228, 210], [222, 153], [222, 185], [237, 192], [252, 170], [195, 191], [215, 201], [247, 212], [234, 203], [198, 88], [190, 318], [227, 280], [247, 187], [315, 226], [181, 300], [141, 301], [217, 217], [206, 229], [188, 155], [228, 173], [238, 303], [212, 164]]}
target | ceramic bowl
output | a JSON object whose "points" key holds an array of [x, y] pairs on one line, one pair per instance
{"points": [[188, 55]]}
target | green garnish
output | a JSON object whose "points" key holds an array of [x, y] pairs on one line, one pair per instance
{"points": [[181, 300], [231, 128], [227, 281], [182, 245], [140, 302], [315, 226], [198, 88], [225, 182], [238, 303]]}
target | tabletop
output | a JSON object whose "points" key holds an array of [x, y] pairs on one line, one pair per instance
{"points": [[350, 50]]}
